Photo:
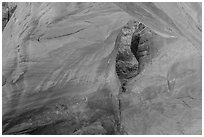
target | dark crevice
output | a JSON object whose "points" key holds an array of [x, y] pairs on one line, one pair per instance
{"points": [[66, 34], [8, 8], [129, 62], [134, 45]]}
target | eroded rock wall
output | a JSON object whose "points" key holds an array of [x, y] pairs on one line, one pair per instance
{"points": [[59, 73]]}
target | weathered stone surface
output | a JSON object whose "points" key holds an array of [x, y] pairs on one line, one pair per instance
{"points": [[164, 99], [58, 69], [64, 52]]}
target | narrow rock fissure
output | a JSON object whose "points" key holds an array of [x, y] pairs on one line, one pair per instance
{"points": [[128, 62]]}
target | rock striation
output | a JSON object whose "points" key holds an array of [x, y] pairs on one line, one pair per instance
{"points": [[59, 63]]}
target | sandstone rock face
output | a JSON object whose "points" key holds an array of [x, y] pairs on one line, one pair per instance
{"points": [[59, 69]]}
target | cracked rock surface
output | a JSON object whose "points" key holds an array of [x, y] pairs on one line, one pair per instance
{"points": [[64, 66]]}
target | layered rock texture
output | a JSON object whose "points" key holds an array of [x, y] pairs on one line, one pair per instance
{"points": [[102, 68]]}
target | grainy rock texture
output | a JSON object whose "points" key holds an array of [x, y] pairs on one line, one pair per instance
{"points": [[59, 69]]}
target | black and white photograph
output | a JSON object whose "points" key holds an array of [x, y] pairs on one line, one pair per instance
{"points": [[101, 68]]}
